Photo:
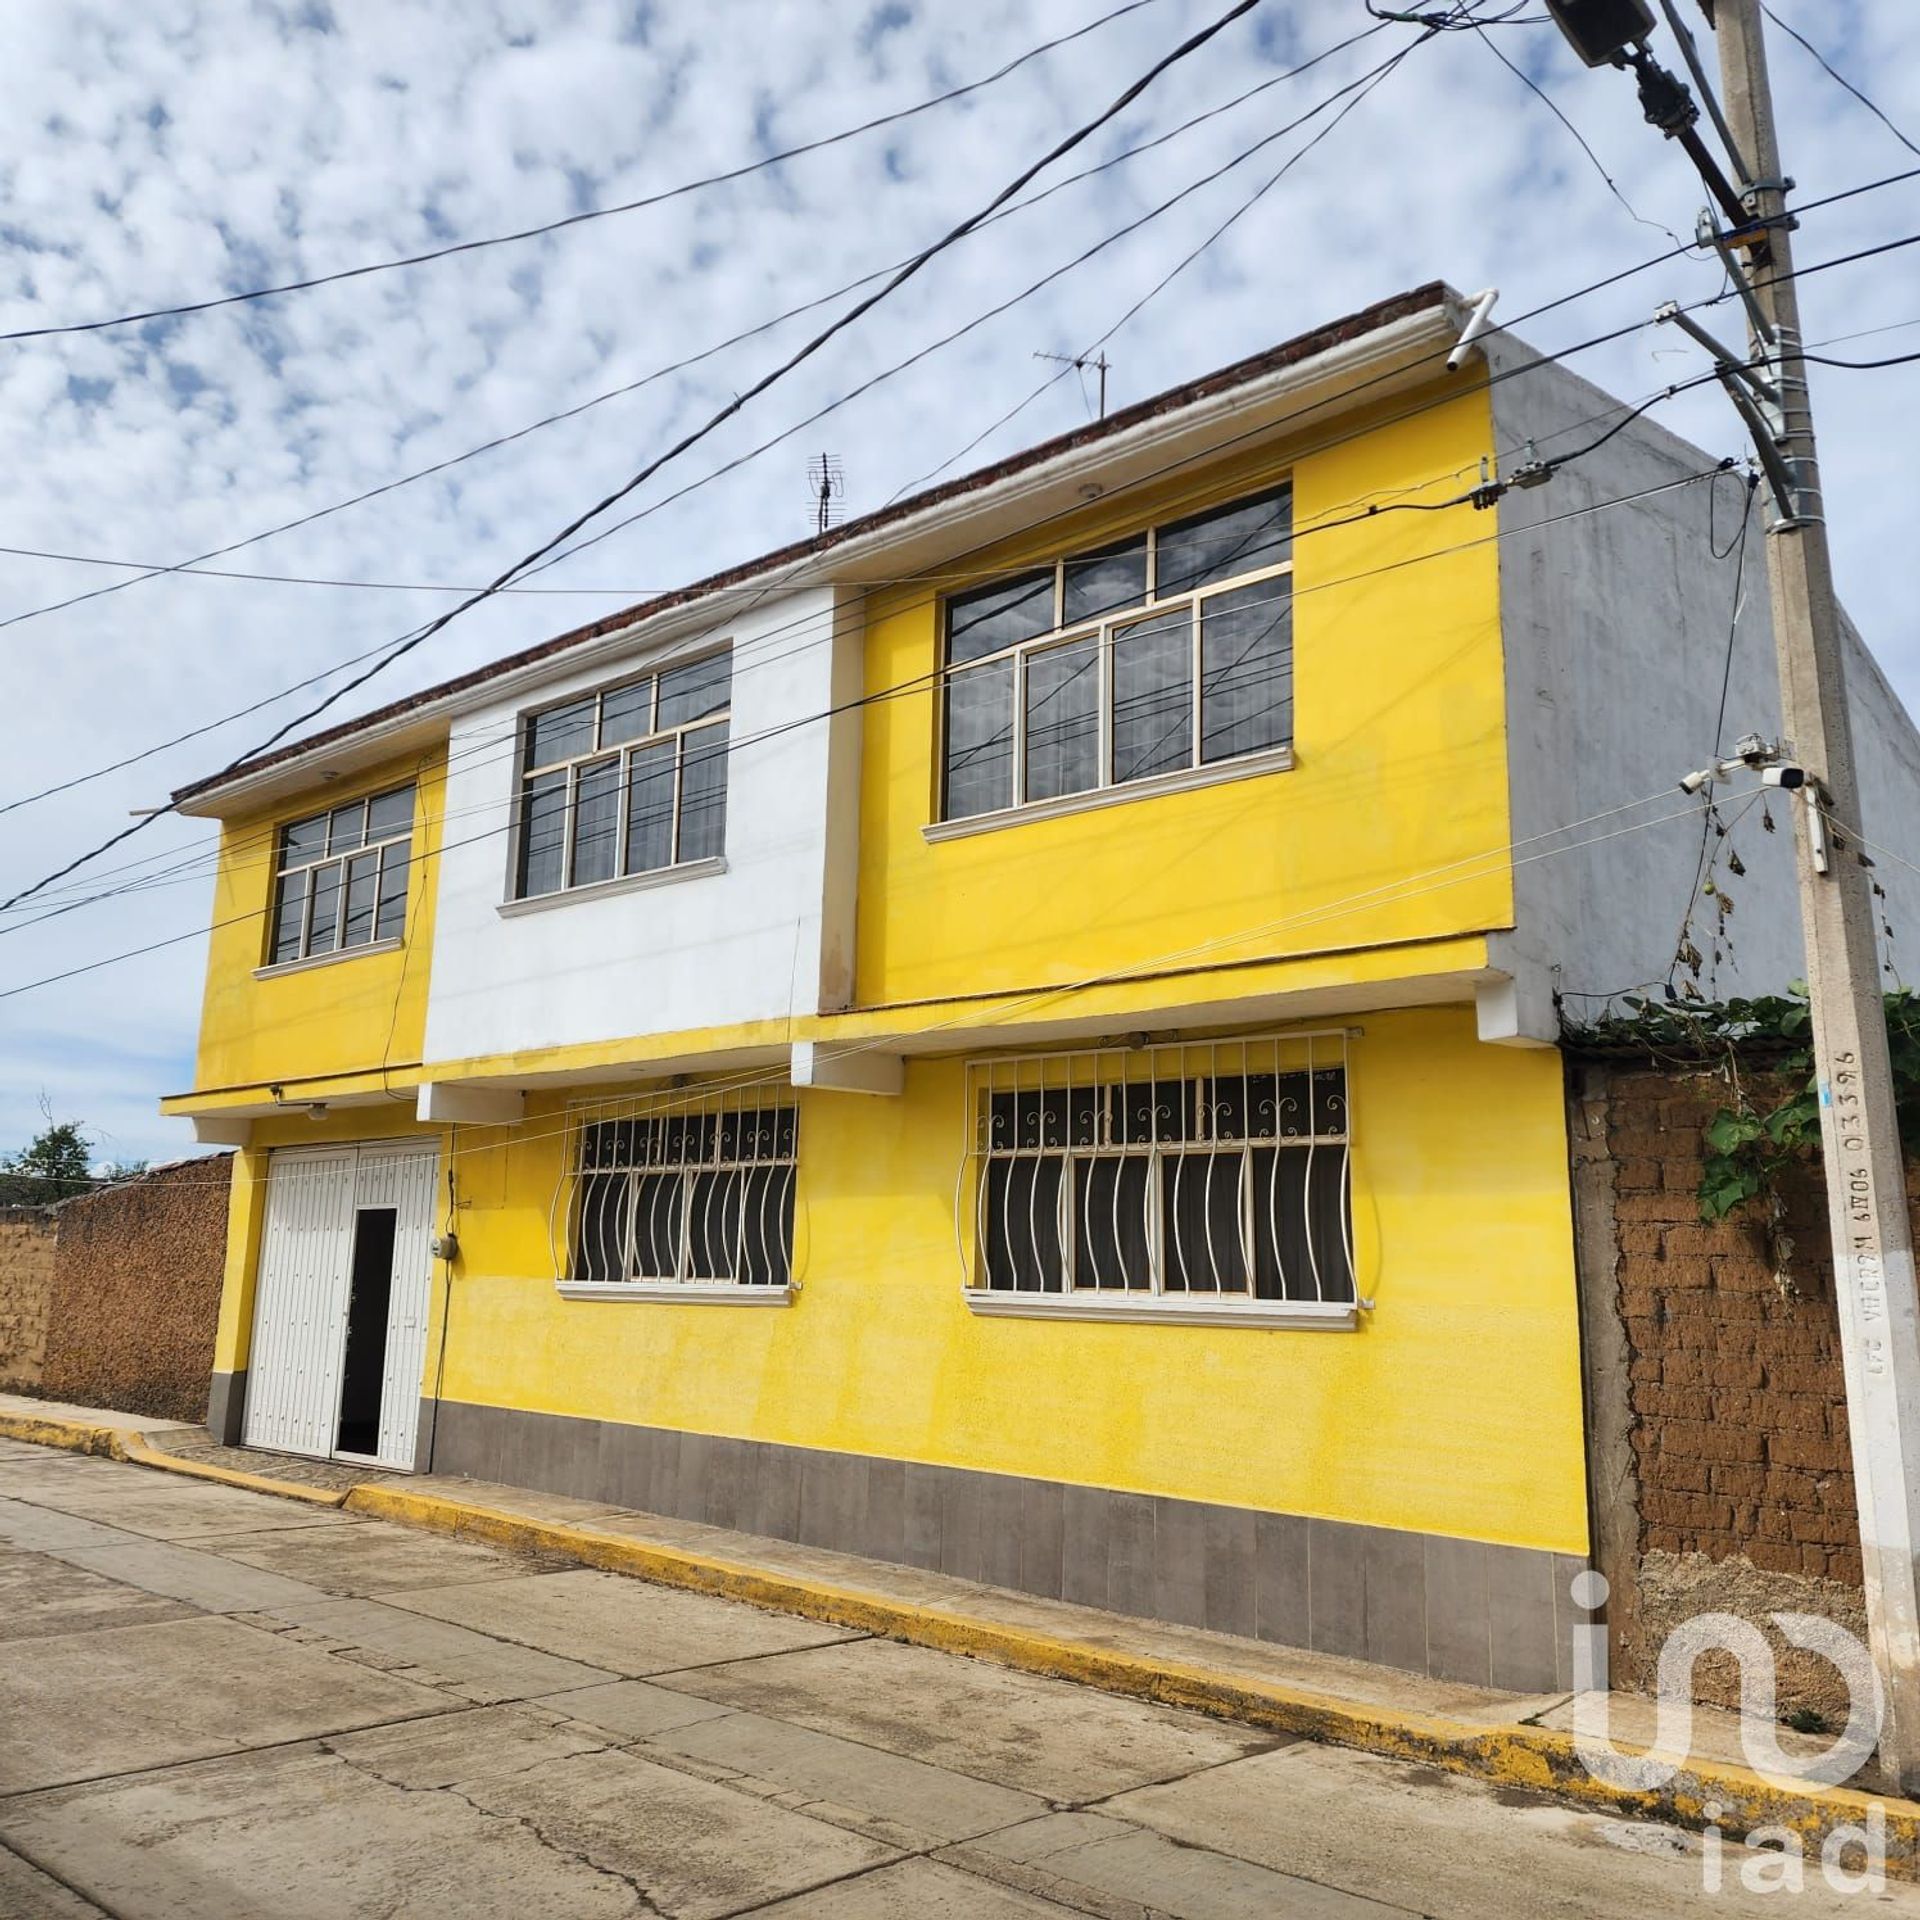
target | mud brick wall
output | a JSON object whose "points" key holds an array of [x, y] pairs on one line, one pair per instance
{"points": [[1720, 1464], [136, 1292], [26, 1282]]}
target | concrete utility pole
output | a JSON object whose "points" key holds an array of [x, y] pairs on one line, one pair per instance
{"points": [[1866, 1188]]}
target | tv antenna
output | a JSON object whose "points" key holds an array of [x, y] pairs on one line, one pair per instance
{"points": [[1080, 362], [827, 485]]}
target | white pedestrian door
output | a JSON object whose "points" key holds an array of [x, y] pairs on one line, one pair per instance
{"points": [[340, 1312]]}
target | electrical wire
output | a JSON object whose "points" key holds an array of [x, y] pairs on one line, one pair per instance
{"points": [[571, 220], [1187, 47], [197, 562], [1602, 285], [1839, 78], [900, 689]]}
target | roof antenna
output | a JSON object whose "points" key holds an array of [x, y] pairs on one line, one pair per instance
{"points": [[828, 485], [1080, 362]]}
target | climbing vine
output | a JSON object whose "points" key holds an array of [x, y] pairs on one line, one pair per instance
{"points": [[1752, 1140]]}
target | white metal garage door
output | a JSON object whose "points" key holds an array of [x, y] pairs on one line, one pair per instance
{"points": [[340, 1312]]}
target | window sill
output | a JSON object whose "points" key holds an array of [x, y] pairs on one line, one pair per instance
{"points": [[627, 883], [1159, 1310], [312, 960], [1276, 760], [732, 1294]]}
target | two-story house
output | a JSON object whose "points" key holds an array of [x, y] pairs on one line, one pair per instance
{"points": [[1018, 1036]]}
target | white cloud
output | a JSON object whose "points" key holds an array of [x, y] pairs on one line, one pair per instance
{"points": [[157, 157]]}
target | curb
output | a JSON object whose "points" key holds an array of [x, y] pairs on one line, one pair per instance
{"points": [[1527, 1758], [1533, 1759]]}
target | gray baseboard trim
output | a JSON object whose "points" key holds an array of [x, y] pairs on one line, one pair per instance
{"points": [[227, 1407], [1463, 1610]]}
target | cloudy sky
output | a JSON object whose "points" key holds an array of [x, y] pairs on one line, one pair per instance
{"points": [[160, 155]]}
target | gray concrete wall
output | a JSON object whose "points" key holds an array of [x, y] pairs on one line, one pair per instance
{"points": [[1616, 627]]}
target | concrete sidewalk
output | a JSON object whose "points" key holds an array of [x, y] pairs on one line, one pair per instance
{"points": [[1518, 1741]]}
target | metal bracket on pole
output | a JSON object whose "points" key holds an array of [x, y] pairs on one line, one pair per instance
{"points": [[1760, 402], [1709, 235]]}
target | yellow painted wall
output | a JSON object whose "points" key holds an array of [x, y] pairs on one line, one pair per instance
{"points": [[1399, 741], [345, 1016], [1454, 1409]]}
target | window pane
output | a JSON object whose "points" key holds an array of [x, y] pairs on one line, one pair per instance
{"points": [[980, 740], [1021, 1239], [325, 919], [658, 1203], [1063, 720], [390, 920], [1109, 581], [602, 1250], [767, 1242], [1246, 669], [1200, 1213], [713, 1226], [347, 828], [626, 713], [304, 840], [289, 909], [390, 813], [650, 773], [543, 826], [989, 618], [363, 879], [690, 692], [1223, 544], [596, 822], [1300, 1224], [703, 793], [1153, 696], [1112, 1222], [560, 733]]}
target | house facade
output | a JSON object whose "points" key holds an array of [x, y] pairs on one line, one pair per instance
{"points": [[1019, 1036]]}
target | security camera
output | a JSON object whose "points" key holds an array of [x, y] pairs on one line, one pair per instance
{"points": [[1695, 781], [1788, 777]]}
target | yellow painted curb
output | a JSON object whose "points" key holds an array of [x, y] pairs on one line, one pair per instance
{"points": [[1537, 1759], [147, 1455], [72, 1436]]}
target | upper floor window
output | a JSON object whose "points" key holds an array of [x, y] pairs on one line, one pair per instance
{"points": [[626, 781], [1168, 651], [341, 877]]}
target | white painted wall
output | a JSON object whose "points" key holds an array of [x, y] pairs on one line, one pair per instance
{"points": [[746, 944]]}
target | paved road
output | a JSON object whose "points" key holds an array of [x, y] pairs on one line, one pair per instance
{"points": [[215, 1703]]}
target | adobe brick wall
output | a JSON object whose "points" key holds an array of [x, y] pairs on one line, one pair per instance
{"points": [[1724, 1458], [26, 1281], [136, 1292]]}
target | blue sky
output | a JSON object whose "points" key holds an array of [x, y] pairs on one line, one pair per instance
{"points": [[158, 155]]}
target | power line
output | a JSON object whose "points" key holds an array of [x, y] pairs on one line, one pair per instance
{"points": [[591, 214], [1839, 78], [915, 684], [197, 562], [1084, 132]]}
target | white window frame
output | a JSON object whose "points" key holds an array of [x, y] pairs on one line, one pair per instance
{"points": [[780, 1203], [1240, 1057], [1107, 785], [622, 754], [391, 848]]}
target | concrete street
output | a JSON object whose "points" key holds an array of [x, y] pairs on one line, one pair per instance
{"points": [[217, 1703]]}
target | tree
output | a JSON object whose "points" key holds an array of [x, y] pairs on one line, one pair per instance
{"points": [[54, 1165]]}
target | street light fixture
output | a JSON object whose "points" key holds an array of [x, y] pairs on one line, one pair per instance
{"points": [[1601, 31]]}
